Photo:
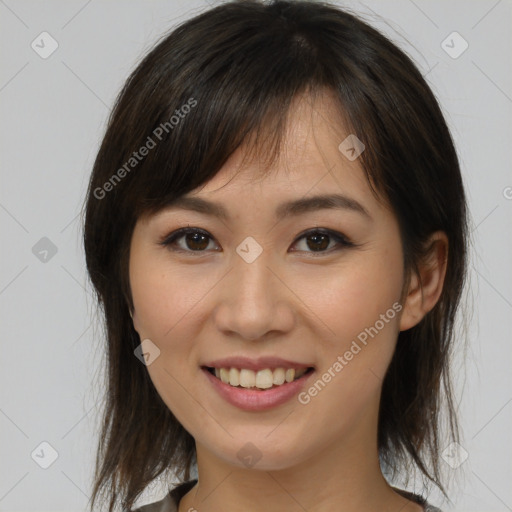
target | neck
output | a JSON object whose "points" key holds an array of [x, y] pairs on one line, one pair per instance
{"points": [[341, 476]]}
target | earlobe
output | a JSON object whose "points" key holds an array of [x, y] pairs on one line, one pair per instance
{"points": [[426, 288]]}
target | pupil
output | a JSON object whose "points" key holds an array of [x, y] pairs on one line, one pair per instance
{"points": [[195, 239], [316, 238]]}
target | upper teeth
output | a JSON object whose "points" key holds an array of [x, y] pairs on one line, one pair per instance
{"points": [[262, 379]]}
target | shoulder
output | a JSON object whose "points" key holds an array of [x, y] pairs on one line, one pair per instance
{"points": [[170, 502], [166, 504]]}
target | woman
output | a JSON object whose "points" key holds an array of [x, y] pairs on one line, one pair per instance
{"points": [[276, 230]]}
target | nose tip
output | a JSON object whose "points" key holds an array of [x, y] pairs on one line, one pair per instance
{"points": [[253, 302]]}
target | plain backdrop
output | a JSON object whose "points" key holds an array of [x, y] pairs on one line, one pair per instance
{"points": [[53, 114]]}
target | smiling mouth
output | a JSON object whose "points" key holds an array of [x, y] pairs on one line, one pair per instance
{"points": [[261, 380]]}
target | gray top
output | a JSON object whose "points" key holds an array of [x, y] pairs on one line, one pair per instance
{"points": [[171, 501]]}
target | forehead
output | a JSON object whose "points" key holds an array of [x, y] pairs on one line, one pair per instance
{"points": [[310, 160]]}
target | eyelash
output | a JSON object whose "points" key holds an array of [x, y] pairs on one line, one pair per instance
{"points": [[340, 239]]}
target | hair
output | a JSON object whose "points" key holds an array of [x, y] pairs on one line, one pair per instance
{"points": [[238, 66]]}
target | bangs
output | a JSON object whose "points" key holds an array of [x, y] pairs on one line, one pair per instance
{"points": [[206, 96], [248, 108]]}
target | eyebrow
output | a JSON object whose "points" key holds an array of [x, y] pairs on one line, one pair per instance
{"points": [[287, 209]]}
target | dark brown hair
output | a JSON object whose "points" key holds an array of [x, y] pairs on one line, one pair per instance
{"points": [[238, 66]]}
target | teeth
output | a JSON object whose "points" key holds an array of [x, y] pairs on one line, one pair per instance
{"points": [[262, 379], [290, 375], [279, 376], [234, 377], [247, 378]]}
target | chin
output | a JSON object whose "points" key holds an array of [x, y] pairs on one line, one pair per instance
{"points": [[261, 454]]}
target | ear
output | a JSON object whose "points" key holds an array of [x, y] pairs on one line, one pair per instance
{"points": [[425, 288]]}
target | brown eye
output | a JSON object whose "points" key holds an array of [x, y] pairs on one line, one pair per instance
{"points": [[319, 240], [194, 240]]}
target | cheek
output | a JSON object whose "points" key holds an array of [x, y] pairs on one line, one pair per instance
{"points": [[358, 305], [349, 298], [358, 311], [164, 313], [162, 296], [153, 306]]}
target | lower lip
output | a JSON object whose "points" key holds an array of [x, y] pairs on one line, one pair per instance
{"points": [[252, 400]]}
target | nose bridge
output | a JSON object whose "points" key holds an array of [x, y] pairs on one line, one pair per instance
{"points": [[253, 278], [253, 301]]}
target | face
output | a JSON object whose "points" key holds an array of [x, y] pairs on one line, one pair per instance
{"points": [[315, 286]]}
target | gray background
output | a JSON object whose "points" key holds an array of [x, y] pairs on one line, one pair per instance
{"points": [[53, 114]]}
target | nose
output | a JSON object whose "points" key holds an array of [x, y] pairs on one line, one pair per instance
{"points": [[254, 301]]}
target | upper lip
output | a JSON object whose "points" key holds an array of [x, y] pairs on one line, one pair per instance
{"points": [[256, 364]]}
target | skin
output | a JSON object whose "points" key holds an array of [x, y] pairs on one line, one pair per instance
{"points": [[300, 304]]}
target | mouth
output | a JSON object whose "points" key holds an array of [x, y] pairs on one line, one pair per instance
{"points": [[261, 380]]}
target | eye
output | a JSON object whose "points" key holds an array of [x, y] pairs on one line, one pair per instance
{"points": [[195, 240], [319, 240]]}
